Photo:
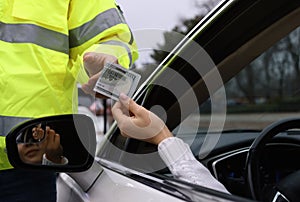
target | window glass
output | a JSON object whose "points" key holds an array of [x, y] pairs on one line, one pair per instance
{"points": [[266, 90]]}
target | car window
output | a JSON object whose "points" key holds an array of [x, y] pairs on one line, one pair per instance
{"points": [[266, 90]]}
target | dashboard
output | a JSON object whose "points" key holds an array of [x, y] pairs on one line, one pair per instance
{"points": [[227, 160], [279, 159], [229, 169]]}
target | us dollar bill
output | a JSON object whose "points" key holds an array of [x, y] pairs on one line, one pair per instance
{"points": [[115, 79]]}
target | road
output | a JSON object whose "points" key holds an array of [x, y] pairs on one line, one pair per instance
{"points": [[232, 121], [238, 121]]}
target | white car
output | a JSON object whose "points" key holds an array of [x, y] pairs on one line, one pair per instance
{"points": [[243, 50]]}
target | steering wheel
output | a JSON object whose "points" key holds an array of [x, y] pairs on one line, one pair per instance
{"points": [[287, 189]]}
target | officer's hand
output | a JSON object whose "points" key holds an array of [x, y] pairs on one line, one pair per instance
{"points": [[54, 150], [137, 122], [94, 63]]}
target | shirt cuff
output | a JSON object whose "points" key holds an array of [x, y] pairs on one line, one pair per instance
{"points": [[46, 161], [173, 149]]}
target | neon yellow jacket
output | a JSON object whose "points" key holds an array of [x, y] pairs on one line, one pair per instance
{"points": [[41, 47], [4, 162]]}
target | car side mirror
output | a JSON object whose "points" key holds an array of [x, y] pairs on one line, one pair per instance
{"points": [[62, 143]]}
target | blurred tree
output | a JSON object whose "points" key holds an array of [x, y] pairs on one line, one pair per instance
{"points": [[278, 67], [172, 38], [274, 75]]}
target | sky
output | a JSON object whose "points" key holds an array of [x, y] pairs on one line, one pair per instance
{"points": [[156, 13], [149, 19]]}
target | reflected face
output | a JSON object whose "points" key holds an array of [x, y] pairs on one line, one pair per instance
{"points": [[32, 153]]}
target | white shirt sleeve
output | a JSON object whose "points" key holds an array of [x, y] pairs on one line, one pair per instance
{"points": [[46, 161], [183, 165]]}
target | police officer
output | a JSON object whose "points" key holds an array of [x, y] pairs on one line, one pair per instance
{"points": [[46, 47]]}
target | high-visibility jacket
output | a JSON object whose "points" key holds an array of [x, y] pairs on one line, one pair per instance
{"points": [[41, 48], [4, 162]]}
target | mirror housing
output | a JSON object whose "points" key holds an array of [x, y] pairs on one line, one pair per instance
{"points": [[66, 143]]}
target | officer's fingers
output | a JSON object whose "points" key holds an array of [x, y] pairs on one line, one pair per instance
{"points": [[109, 58], [89, 86], [93, 80], [87, 89], [94, 62], [90, 63]]}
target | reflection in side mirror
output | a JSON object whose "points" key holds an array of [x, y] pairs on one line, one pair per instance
{"points": [[63, 143], [34, 134]]}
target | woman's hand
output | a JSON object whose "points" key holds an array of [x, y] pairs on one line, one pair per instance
{"points": [[137, 122]]}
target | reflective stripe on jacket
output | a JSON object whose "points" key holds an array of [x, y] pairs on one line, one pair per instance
{"points": [[41, 48], [4, 163]]}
